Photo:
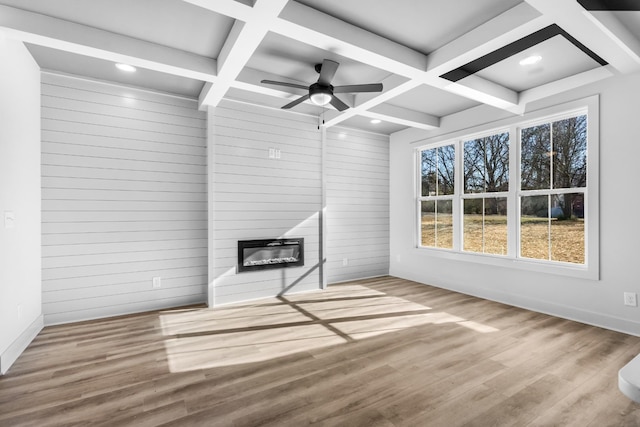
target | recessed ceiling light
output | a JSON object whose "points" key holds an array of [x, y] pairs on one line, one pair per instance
{"points": [[375, 121], [530, 60], [126, 67]]}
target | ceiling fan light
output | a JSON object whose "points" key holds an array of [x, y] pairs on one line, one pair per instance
{"points": [[320, 98]]}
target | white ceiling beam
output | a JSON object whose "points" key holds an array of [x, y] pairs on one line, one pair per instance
{"points": [[243, 40], [373, 102], [315, 28], [612, 46], [485, 91], [619, 35], [402, 116], [230, 8], [307, 25], [508, 27], [562, 85], [512, 25], [80, 39]]}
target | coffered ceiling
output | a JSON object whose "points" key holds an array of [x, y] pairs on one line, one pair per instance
{"points": [[434, 57]]}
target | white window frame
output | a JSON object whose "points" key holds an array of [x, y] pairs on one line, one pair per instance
{"points": [[588, 270]]}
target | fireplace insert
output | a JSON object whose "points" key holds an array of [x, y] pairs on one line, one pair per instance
{"points": [[270, 253]]}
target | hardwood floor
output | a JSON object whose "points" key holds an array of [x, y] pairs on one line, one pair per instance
{"points": [[379, 352]]}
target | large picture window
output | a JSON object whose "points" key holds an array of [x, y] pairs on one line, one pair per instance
{"points": [[520, 192]]}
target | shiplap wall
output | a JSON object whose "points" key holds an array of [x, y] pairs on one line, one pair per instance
{"points": [[124, 199], [357, 180], [255, 197]]}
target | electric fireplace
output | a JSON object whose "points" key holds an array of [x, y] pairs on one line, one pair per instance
{"points": [[270, 253]]}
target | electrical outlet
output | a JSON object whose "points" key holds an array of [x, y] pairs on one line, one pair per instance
{"points": [[630, 299], [157, 283], [345, 262], [272, 153]]}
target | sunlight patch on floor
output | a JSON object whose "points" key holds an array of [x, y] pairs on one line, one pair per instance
{"points": [[275, 327], [212, 351]]}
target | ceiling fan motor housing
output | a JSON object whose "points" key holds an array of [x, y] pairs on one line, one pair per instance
{"points": [[320, 94]]}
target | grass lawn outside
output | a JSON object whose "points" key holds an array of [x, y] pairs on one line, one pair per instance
{"points": [[541, 238]]}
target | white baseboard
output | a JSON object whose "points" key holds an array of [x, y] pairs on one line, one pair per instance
{"points": [[563, 311], [16, 348]]}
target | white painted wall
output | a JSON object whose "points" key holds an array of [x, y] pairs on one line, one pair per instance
{"points": [[598, 302], [357, 188], [20, 277], [255, 197], [124, 199]]}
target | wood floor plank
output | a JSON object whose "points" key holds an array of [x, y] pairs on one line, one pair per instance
{"points": [[374, 352]]}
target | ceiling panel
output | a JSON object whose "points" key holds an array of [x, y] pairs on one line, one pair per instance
{"points": [[70, 63], [364, 123], [172, 23], [560, 58], [423, 25], [434, 101]]}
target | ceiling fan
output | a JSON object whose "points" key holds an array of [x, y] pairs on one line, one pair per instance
{"points": [[322, 91]]}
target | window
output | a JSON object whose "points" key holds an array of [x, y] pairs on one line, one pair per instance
{"points": [[437, 180], [518, 192], [553, 170], [486, 185]]}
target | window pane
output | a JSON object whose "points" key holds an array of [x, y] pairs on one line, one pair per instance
{"points": [[497, 162], [535, 163], [570, 153], [429, 167], [495, 225], [437, 224], [428, 223], [486, 164], [446, 169], [474, 168], [473, 225], [444, 224], [485, 225], [567, 228], [534, 227]]}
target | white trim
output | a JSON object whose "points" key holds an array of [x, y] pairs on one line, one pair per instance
{"points": [[563, 311], [359, 278], [16, 348], [323, 209], [211, 291]]}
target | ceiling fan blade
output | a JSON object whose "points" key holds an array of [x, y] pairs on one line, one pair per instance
{"points": [[272, 82], [327, 72], [296, 102], [372, 87], [338, 104]]}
